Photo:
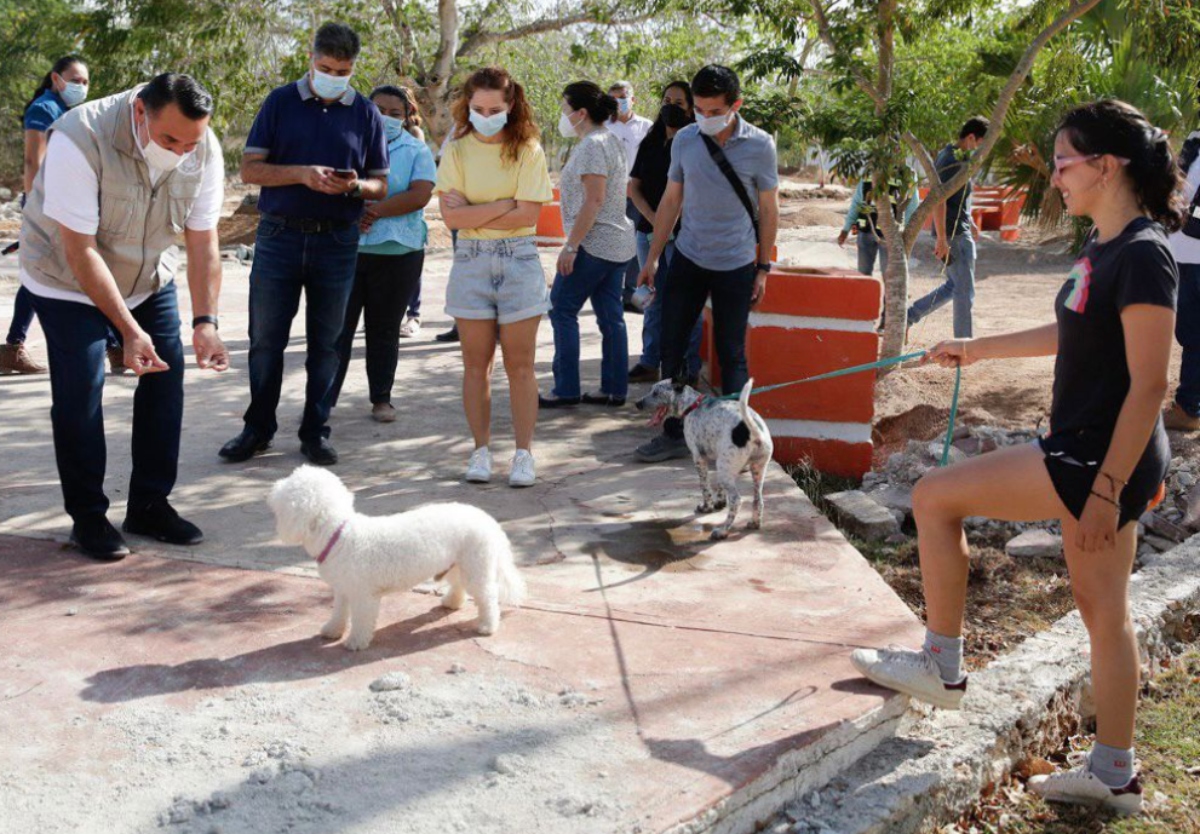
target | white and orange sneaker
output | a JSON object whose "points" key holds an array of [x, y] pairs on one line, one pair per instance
{"points": [[914, 673], [1079, 786]]}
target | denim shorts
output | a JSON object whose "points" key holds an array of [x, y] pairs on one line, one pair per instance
{"points": [[501, 280]]}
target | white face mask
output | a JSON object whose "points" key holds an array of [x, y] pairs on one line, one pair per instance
{"points": [[624, 106], [158, 157], [566, 127], [329, 87], [712, 125], [489, 125], [73, 94]]}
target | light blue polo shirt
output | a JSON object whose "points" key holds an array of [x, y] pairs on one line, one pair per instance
{"points": [[717, 233], [409, 160]]}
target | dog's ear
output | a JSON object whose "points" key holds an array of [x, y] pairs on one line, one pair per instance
{"points": [[677, 385]]}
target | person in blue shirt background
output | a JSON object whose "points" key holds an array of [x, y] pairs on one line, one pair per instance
{"points": [[63, 87], [318, 151], [864, 214], [391, 254]]}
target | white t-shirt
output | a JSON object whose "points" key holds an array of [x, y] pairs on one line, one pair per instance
{"points": [[1187, 249], [631, 134], [73, 200]]}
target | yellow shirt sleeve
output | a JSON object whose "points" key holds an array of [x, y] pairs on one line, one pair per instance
{"points": [[533, 178], [449, 172]]}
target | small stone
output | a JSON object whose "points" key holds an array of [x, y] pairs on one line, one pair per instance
{"points": [[510, 764], [1033, 544], [1186, 480], [1160, 526], [1159, 543], [794, 812], [896, 539], [71, 612], [1191, 517], [457, 669], [861, 516], [5, 195], [815, 799], [391, 681]]}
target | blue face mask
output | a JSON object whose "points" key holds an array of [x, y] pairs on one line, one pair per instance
{"points": [[329, 87], [489, 125], [393, 128], [73, 94]]}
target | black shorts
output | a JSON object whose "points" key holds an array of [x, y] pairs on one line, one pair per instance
{"points": [[1073, 460]]}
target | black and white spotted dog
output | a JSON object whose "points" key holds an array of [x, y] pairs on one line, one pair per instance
{"points": [[730, 436]]}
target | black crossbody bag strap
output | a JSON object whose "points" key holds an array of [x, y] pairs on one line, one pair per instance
{"points": [[719, 157]]}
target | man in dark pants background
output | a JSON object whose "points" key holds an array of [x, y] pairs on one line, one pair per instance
{"points": [[91, 261], [716, 255], [317, 148]]}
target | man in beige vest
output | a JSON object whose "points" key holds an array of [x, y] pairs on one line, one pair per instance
{"points": [[125, 176]]}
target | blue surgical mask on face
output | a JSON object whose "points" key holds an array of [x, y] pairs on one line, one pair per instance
{"points": [[624, 105], [329, 87], [73, 94], [489, 125], [393, 128]]}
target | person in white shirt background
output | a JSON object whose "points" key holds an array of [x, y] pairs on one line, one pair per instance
{"points": [[631, 129]]}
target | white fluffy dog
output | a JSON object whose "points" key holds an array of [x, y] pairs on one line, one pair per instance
{"points": [[362, 557]]}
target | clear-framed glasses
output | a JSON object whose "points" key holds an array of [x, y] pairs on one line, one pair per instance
{"points": [[1062, 163]]}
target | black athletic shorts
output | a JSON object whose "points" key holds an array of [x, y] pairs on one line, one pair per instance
{"points": [[1073, 460]]}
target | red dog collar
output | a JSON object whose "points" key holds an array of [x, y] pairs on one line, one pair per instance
{"points": [[333, 540]]}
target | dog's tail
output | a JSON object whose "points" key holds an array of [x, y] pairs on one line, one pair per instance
{"points": [[744, 409], [512, 585]]}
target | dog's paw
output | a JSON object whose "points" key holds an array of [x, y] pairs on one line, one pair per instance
{"points": [[719, 534], [720, 504], [453, 601], [704, 509], [332, 631], [485, 629], [357, 644], [754, 525]]}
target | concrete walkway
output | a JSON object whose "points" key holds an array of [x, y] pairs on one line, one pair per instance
{"points": [[655, 681]]}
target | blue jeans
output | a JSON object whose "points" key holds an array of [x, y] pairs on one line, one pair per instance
{"points": [[285, 262], [652, 318], [1187, 332], [959, 287], [868, 247], [600, 281], [76, 337], [22, 318], [632, 267]]}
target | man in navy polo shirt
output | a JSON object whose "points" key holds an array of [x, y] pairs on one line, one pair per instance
{"points": [[317, 148]]}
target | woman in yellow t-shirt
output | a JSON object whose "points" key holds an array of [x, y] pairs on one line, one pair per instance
{"points": [[491, 184]]}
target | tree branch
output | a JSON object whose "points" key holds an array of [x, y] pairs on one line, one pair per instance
{"points": [[940, 191], [826, 33], [443, 63], [482, 39], [409, 56]]}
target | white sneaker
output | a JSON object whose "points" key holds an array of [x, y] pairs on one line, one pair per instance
{"points": [[479, 468], [915, 673], [411, 327], [1079, 786], [522, 472]]}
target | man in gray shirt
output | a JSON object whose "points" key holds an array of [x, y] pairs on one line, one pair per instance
{"points": [[717, 252]]}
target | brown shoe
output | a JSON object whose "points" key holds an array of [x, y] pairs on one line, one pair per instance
{"points": [[116, 360], [15, 359], [1176, 419], [642, 373], [383, 413]]}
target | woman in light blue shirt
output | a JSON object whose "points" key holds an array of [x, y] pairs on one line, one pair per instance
{"points": [[391, 254]]}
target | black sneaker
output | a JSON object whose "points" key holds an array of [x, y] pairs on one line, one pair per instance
{"points": [[557, 402], [643, 373], [97, 539], [243, 447], [603, 399], [319, 451], [661, 448], [158, 520], [450, 335]]}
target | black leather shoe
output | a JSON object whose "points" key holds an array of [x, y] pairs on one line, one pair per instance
{"points": [[158, 520], [557, 402], [97, 539], [603, 399], [243, 447], [450, 335], [319, 451]]}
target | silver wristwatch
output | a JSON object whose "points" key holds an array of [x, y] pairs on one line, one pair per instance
{"points": [[569, 248]]}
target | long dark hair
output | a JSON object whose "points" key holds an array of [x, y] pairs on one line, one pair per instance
{"points": [[1113, 127], [658, 131], [60, 66]]}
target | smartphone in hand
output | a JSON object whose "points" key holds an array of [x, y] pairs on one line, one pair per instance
{"points": [[344, 173]]}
